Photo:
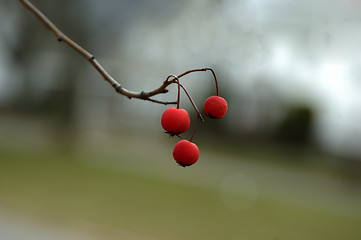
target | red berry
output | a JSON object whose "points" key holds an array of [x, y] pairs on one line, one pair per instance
{"points": [[215, 107], [185, 153], [175, 121]]}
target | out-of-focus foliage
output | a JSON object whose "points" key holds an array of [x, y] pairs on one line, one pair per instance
{"points": [[296, 125]]}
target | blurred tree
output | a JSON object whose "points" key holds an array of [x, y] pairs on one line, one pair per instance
{"points": [[296, 125]]}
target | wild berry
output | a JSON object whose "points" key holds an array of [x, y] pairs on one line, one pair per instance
{"points": [[215, 107], [175, 121], [185, 153]]}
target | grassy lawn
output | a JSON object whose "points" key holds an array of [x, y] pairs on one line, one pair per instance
{"points": [[63, 188]]}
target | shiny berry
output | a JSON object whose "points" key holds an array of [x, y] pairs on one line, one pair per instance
{"points": [[215, 107], [185, 153], [175, 121]]}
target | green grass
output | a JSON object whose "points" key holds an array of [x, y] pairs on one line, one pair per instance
{"points": [[51, 185]]}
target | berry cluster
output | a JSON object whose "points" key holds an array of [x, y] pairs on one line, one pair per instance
{"points": [[176, 121]]}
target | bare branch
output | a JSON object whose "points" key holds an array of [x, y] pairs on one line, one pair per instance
{"points": [[107, 77]]}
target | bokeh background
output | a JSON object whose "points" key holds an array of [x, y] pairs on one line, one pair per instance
{"points": [[79, 161]]}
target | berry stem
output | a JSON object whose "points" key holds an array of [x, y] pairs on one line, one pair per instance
{"points": [[187, 93], [179, 85], [193, 104], [203, 70], [195, 129]]}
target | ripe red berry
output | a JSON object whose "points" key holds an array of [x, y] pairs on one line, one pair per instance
{"points": [[175, 121], [215, 107], [185, 153]]}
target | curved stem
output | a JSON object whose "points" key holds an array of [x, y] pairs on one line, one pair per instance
{"points": [[187, 93], [193, 104], [179, 85], [203, 70], [199, 115]]}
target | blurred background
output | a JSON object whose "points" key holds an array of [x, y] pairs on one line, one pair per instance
{"points": [[79, 161]]}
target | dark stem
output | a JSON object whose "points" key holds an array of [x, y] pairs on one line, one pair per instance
{"points": [[193, 104], [203, 70], [178, 96], [187, 93], [179, 85], [195, 129]]}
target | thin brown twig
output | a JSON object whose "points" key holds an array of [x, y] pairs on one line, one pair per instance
{"points": [[107, 77]]}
